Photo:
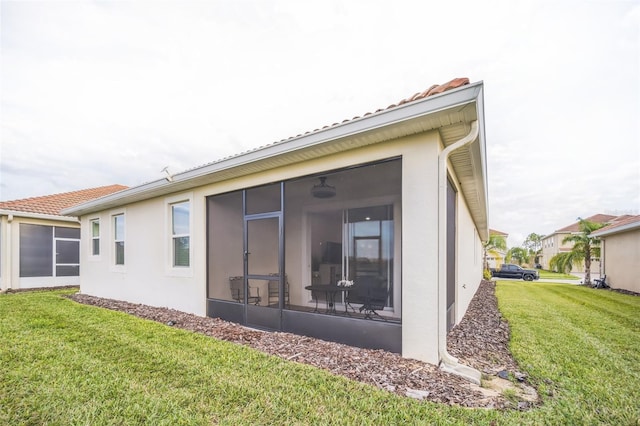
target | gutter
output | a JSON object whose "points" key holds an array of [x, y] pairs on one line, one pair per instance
{"points": [[448, 362], [43, 216]]}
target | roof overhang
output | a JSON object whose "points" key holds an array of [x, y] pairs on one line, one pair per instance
{"points": [[617, 230], [450, 113], [41, 216]]}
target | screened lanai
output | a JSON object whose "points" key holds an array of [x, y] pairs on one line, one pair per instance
{"points": [[306, 254]]}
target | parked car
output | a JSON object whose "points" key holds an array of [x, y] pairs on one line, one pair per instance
{"points": [[508, 270]]}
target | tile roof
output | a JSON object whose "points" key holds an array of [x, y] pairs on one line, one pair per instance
{"points": [[54, 204], [596, 218], [435, 89], [619, 222], [496, 232]]}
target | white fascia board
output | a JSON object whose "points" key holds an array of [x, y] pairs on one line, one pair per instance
{"points": [[411, 110], [17, 213], [624, 228]]}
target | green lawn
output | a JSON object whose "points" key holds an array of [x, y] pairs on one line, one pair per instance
{"points": [[64, 363], [550, 275], [581, 345]]}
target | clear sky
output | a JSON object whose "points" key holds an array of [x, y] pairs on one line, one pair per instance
{"points": [[102, 92]]}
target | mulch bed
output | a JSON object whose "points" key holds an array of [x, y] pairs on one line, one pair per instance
{"points": [[480, 340]]}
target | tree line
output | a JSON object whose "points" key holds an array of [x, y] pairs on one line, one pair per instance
{"points": [[585, 247]]}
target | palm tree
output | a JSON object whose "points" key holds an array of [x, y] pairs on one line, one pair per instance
{"points": [[584, 248], [495, 242], [562, 262]]}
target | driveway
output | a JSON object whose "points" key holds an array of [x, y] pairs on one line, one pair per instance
{"points": [[578, 280], [543, 280]]}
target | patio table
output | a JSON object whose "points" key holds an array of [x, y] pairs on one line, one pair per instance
{"points": [[330, 291]]}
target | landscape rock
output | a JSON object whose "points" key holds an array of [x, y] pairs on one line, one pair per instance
{"points": [[417, 394]]}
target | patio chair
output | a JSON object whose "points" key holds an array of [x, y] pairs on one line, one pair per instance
{"points": [[274, 293], [600, 282], [374, 297], [236, 284]]}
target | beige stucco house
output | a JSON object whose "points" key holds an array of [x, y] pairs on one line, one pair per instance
{"points": [[620, 253], [552, 244], [394, 201], [39, 246]]}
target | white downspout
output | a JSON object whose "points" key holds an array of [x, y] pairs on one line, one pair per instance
{"points": [[448, 362]]}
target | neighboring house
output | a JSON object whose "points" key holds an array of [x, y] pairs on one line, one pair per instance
{"points": [[39, 246], [395, 200], [496, 257], [552, 244], [620, 253]]}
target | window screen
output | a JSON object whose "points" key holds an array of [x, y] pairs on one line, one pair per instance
{"points": [[67, 251], [36, 250], [62, 232]]}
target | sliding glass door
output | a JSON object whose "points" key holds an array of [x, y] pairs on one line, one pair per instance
{"points": [[369, 238], [354, 245]]}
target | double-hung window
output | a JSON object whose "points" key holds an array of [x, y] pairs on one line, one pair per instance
{"points": [[118, 237], [95, 237], [180, 234]]}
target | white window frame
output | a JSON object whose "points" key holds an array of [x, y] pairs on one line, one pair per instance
{"points": [[178, 235], [112, 241], [170, 268], [93, 238]]}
